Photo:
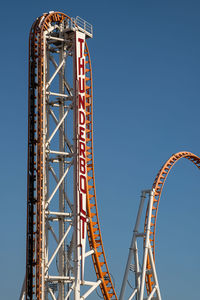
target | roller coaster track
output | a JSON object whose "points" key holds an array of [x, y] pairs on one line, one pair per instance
{"points": [[158, 187], [144, 265], [94, 232], [35, 238], [37, 201]]}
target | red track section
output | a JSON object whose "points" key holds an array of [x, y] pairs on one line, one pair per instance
{"points": [[158, 187]]}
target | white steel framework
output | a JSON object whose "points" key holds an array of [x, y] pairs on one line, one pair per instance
{"points": [[56, 244], [140, 264], [63, 228], [61, 268]]}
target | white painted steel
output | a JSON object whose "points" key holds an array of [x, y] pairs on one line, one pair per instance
{"points": [[62, 116], [81, 146], [133, 249], [58, 185], [83, 26], [88, 253], [94, 286], [55, 73], [52, 294], [58, 213], [141, 272], [65, 137], [154, 272], [60, 95], [133, 294], [62, 277], [57, 181], [23, 290], [43, 242], [61, 256], [59, 124], [152, 293], [70, 290], [58, 247]]}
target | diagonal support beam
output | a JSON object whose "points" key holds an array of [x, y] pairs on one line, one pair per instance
{"points": [[70, 290], [58, 185], [65, 138], [55, 73], [59, 245], [146, 246], [58, 125], [52, 231], [65, 82], [96, 284], [51, 293], [152, 293], [133, 294], [56, 179]]}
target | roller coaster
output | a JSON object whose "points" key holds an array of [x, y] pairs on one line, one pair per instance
{"points": [[63, 230]]}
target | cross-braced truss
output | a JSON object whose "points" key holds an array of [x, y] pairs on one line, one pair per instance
{"points": [[62, 207], [141, 265], [60, 256]]}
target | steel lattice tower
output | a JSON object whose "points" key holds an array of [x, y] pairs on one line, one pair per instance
{"points": [[62, 216]]}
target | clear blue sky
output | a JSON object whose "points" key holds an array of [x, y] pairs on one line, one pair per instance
{"points": [[146, 71]]}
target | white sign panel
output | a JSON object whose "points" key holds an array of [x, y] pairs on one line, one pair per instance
{"points": [[81, 146]]}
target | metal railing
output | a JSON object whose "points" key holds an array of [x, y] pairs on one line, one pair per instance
{"points": [[83, 25]]}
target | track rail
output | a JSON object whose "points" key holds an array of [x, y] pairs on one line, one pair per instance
{"points": [[32, 203], [94, 232], [158, 187], [35, 154], [35, 168]]}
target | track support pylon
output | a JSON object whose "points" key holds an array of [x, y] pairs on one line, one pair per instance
{"points": [[145, 264]]}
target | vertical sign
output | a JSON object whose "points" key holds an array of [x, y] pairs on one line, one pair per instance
{"points": [[81, 145]]}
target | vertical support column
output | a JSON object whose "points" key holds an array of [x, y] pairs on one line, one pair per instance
{"points": [[146, 247], [46, 116], [140, 275], [154, 273], [133, 249], [61, 264], [76, 206], [44, 129]]}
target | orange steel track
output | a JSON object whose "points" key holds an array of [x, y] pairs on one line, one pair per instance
{"points": [[94, 232], [158, 187], [35, 168]]}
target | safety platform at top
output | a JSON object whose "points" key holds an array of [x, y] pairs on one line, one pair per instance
{"points": [[83, 26]]}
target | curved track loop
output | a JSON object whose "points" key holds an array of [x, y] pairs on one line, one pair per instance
{"points": [[94, 232], [35, 167], [158, 187]]}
